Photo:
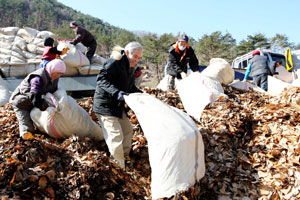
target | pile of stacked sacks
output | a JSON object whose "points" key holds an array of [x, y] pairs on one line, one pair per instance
{"points": [[21, 50]]}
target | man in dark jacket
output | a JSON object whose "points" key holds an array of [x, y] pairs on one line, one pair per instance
{"points": [[86, 38], [259, 68], [180, 54], [116, 79]]}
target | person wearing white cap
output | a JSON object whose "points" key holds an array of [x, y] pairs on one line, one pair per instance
{"points": [[180, 55]]}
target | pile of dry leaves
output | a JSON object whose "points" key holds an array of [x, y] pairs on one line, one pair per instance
{"points": [[251, 152]]}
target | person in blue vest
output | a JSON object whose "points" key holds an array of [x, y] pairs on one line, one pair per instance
{"points": [[259, 68]]}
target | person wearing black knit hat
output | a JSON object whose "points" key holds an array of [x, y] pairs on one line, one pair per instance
{"points": [[86, 38], [180, 55]]}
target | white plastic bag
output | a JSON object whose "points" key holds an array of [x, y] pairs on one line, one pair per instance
{"points": [[4, 92], [244, 85], [220, 70], [74, 57], [176, 150], [196, 91], [65, 118], [276, 86]]}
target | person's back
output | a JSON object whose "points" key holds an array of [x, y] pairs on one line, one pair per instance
{"points": [[259, 65]]}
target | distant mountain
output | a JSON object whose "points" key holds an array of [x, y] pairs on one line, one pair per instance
{"points": [[54, 16]]}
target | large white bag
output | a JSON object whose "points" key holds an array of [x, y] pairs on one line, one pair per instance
{"points": [[176, 150], [65, 118], [220, 70], [244, 85], [4, 92], [276, 86], [74, 57], [196, 91]]}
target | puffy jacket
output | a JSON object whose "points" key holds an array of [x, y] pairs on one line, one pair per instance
{"points": [[83, 36], [178, 60], [116, 75], [21, 95], [259, 65]]}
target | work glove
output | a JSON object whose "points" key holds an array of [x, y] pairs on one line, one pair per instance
{"points": [[38, 101], [65, 50], [121, 95], [183, 75]]}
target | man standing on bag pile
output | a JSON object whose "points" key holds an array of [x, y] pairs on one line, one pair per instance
{"points": [[116, 79], [259, 68], [180, 54], [86, 38]]}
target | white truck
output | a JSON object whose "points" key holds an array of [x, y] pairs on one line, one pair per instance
{"points": [[240, 64]]}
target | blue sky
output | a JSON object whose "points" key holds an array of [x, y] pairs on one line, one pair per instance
{"points": [[240, 18]]}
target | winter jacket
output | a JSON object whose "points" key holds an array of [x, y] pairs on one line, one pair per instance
{"points": [[50, 53], [116, 75], [178, 60], [83, 36], [23, 98]]}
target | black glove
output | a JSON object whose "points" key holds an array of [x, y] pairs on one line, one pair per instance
{"points": [[71, 42], [38, 101], [121, 95]]}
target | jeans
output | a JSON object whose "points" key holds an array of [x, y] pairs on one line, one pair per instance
{"points": [[261, 81]]}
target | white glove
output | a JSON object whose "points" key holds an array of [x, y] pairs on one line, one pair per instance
{"points": [[183, 75], [244, 80]]}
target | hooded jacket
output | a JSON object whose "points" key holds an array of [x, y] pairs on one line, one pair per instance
{"points": [[178, 60], [116, 75]]}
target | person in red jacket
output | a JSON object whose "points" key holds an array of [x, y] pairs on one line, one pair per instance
{"points": [[50, 52], [86, 38]]}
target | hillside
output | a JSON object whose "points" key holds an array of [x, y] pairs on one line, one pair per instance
{"points": [[53, 16]]}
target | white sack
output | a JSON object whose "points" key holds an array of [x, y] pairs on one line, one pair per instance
{"points": [[65, 118], [196, 91], [90, 69], [10, 60], [176, 150], [244, 85], [34, 61], [30, 55], [276, 86], [9, 30], [74, 57], [220, 70], [38, 42], [45, 34], [18, 71], [19, 42], [27, 32], [11, 53], [81, 47], [4, 92], [71, 71], [164, 82], [7, 38], [35, 49], [98, 59]]}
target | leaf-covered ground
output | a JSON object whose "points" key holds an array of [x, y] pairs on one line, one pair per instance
{"points": [[251, 152]]}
